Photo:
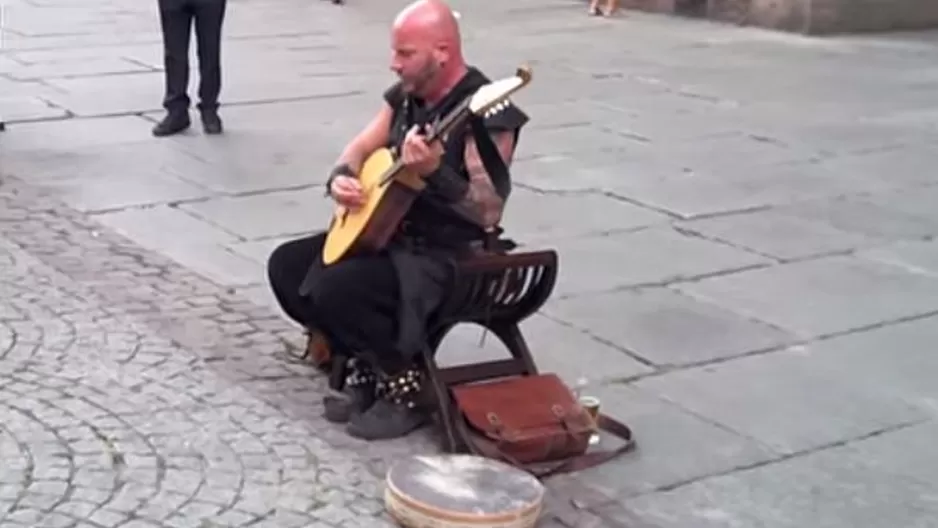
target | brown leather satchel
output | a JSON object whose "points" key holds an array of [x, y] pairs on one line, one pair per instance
{"points": [[528, 421]]}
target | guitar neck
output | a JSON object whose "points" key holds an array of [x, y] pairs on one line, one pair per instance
{"points": [[453, 119]]}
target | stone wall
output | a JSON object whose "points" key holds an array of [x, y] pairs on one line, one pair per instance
{"points": [[805, 16], [787, 15], [836, 16]]}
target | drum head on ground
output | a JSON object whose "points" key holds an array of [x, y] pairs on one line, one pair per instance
{"points": [[449, 491]]}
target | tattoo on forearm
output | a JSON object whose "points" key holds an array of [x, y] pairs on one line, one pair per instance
{"points": [[482, 204]]}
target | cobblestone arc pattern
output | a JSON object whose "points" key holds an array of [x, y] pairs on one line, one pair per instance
{"points": [[136, 393]]}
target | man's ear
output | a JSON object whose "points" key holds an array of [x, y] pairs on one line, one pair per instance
{"points": [[441, 52]]}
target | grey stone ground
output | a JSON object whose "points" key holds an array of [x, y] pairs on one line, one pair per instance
{"points": [[745, 221]]}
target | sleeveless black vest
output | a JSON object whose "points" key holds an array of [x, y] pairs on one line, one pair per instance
{"points": [[430, 217]]}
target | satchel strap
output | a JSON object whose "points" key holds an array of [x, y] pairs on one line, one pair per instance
{"points": [[484, 447]]}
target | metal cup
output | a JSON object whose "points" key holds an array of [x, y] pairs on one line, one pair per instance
{"points": [[591, 405]]}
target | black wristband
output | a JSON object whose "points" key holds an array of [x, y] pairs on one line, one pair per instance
{"points": [[339, 170], [448, 184]]}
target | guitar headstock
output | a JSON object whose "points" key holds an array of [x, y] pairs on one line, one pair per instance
{"points": [[493, 96]]}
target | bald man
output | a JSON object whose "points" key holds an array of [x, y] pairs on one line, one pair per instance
{"points": [[375, 308]]}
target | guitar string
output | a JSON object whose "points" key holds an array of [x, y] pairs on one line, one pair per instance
{"points": [[492, 111]]}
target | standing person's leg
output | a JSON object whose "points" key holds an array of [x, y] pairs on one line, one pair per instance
{"points": [[209, 18], [176, 24]]}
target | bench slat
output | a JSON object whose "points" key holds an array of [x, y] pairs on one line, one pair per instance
{"points": [[500, 287]]}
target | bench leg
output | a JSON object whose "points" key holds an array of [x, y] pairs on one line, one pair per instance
{"points": [[441, 395], [444, 405], [338, 372], [510, 335]]}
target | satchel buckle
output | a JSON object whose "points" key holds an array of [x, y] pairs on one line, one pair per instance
{"points": [[496, 424]]}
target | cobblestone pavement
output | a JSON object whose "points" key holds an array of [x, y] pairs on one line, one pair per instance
{"points": [[745, 220], [134, 393]]}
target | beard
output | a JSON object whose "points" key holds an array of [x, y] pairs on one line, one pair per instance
{"points": [[420, 81]]}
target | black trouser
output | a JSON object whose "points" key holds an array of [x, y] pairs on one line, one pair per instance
{"points": [[354, 302], [176, 17]]}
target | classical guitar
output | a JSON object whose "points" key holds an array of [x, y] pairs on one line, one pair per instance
{"points": [[390, 189]]}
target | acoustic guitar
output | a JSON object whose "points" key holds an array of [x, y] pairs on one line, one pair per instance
{"points": [[390, 189]]}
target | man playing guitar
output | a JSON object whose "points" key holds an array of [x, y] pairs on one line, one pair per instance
{"points": [[375, 307]]}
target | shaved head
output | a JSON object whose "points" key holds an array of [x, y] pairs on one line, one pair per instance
{"points": [[427, 46], [431, 19]]}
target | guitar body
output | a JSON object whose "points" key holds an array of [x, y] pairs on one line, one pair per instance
{"points": [[369, 228]]}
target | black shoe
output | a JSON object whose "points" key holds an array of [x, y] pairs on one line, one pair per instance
{"points": [[396, 413], [211, 123], [173, 123], [386, 420], [340, 407], [356, 397]]}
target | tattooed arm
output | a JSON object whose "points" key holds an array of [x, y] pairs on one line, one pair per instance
{"points": [[481, 203]]}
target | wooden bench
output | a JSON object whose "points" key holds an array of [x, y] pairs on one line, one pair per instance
{"points": [[496, 291]]}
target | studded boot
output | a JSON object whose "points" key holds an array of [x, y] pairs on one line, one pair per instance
{"points": [[357, 395], [397, 411]]}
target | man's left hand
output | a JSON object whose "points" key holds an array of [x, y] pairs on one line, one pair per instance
{"points": [[418, 155]]}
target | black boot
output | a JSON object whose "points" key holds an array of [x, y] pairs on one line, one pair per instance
{"points": [[211, 123], [358, 394], [397, 411], [174, 123]]}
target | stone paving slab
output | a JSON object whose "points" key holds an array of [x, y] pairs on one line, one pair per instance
{"points": [[264, 215], [825, 296], [656, 255], [745, 245], [917, 256], [891, 472], [533, 215], [790, 405], [665, 328], [28, 108], [778, 235], [557, 347]]}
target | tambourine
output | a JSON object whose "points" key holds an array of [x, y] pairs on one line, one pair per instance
{"points": [[462, 491]]}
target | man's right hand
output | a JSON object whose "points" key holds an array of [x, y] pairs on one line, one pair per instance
{"points": [[347, 192]]}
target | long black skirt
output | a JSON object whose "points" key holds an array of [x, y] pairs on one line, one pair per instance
{"points": [[374, 307]]}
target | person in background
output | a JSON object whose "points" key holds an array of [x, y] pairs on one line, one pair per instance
{"points": [[176, 20], [608, 10]]}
